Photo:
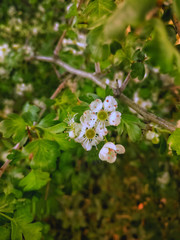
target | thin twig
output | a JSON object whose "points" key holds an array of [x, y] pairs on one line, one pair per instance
{"points": [[60, 87], [125, 83], [56, 71], [59, 44], [7, 162], [97, 68], [176, 24], [147, 116]]}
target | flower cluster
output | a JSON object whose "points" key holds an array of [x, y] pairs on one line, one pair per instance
{"points": [[92, 127]]}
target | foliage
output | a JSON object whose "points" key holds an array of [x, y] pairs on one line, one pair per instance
{"points": [[53, 188]]}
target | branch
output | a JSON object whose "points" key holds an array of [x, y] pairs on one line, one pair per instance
{"points": [[146, 115], [125, 83], [176, 24]]}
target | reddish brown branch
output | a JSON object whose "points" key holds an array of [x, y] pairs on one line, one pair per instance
{"points": [[7, 162], [176, 24]]}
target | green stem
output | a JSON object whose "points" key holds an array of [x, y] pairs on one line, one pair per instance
{"points": [[4, 215]]}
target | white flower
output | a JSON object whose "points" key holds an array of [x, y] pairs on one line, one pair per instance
{"points": [[109, 151], [4, 50], [88, 136], [150, 135], [106, 114], [75, 128]]}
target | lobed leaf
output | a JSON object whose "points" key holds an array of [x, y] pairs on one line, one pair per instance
{"points": [[45, 153], [174, 141], [14, 126]]}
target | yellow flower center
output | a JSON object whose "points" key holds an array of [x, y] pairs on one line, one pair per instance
{"points": [[102, 115], [90, 133]]}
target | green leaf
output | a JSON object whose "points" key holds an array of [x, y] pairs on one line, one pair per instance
{"points": [[5, 232], [45, 153], [72, 11], [96, 45], [35, 180], [101, 92], [176, 7], [139, 55], [160, 50], [61, 139], [133, 131], [47, 121], [99, 8], [16, 155], [30, 113], [7, 203], [132, 124], [138, 70], [129, 12], [174, 141], [22, 228], [81, 108], [58, 128], [14, 126]]}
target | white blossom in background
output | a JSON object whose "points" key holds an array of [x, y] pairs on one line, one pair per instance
{"points": [[39, 103], [11, 11], [4, 50], [21, 88], [152, 136], [28, 50], [164, 178], [3, 72], [109, 152], [106, 114], [56, 26], [8, 106], [147, 104], [35, 31], [80, 42]]}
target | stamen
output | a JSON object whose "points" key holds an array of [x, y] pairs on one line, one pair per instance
{"points": [[90, 133]]}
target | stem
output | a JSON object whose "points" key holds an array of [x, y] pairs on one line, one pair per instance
{"points": [[97, 68], [146, 115], [5, 165], [125, 83], [4, 215]]}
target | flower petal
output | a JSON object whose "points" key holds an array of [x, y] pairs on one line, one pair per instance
{"points": [[87, 145], [88, 119], [96, 105], [101, 129], [71, 134], [115, 118], [110, 104], [111, 157], [120, 149], [110, 145], [103, 153]]}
